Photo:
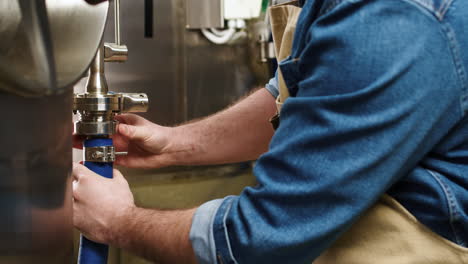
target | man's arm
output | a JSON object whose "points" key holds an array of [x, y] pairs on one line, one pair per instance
{"points": [[104, 211], [370, 104], [239, 133], [158, 235]]}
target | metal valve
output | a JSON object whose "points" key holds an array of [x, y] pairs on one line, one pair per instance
{"points": [[97, 111], [97, 106]]}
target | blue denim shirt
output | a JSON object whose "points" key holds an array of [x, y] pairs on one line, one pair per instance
{"points": [[379, 101]]}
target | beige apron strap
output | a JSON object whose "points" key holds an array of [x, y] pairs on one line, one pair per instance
{"points": [[283, 19], [388, 234]]}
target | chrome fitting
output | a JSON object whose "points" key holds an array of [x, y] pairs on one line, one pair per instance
{"points": [[115, 53], [95, 128], [133, 103]]}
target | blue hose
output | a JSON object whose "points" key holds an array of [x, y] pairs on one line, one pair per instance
{"points": [[91, 252]]}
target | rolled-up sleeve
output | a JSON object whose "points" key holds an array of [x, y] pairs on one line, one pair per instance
{"points": [[370, 104], [201, 232], [272, 86]]}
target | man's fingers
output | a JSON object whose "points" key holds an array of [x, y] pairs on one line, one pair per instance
{"points": [[130, 119], [120, 142], [118, 176], [132, 132], [77, 217], [80, 172], [77, 174]]}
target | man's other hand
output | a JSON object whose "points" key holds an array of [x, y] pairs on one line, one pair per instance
{"points": [[100, 204], [146, 143]]}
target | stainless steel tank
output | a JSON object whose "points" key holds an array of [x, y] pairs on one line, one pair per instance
{"points": [[46, 47]]}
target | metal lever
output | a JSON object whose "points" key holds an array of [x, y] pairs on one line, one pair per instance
{"points": [[115, 53], [133, 103]]}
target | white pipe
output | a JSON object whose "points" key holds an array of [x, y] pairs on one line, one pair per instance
{"points": [[229, 33], [219, 32]]}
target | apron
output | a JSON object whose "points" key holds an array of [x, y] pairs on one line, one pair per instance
{"points": [[386, 233]]}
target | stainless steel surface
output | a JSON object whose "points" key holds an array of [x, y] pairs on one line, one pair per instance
{"points": [[204, 14], [89, 102], [40, 40], [114, 102], [97, 84], [41, 52], [35, 183], [104, 154], [95, 128], [46, 46]]}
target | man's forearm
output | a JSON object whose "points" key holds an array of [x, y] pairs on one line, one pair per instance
{"points": [[239, 133], [160, 236]]}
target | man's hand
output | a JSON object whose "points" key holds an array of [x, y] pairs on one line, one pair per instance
{"points": [[104, 211], [99, 203], [145, 142]]}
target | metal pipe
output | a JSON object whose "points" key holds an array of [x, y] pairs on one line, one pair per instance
{"points": [[117, 21], [97, 83]]}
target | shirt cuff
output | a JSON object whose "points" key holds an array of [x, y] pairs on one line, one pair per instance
{"points": [[201, 232], [272, 86]]}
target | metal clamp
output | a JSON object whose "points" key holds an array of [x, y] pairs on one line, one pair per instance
{"points": [[99, 154]]}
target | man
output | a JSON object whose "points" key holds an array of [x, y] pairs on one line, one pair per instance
{"points": [[368, 165]]}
